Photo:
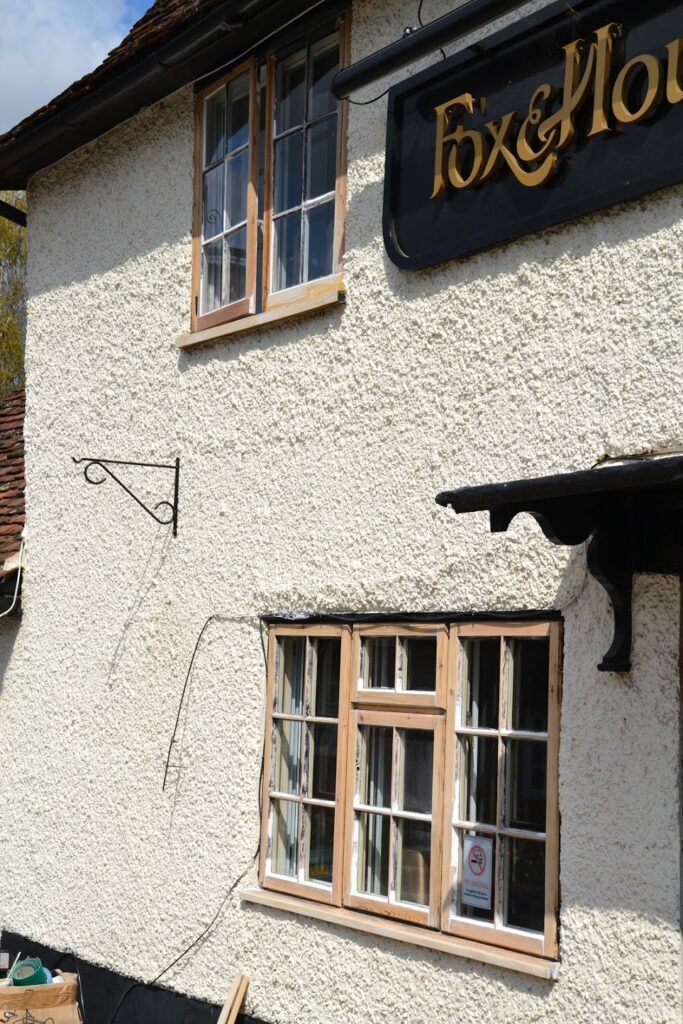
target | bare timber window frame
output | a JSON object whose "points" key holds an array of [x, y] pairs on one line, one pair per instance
{"points": [[270, 184], [411, 774]]}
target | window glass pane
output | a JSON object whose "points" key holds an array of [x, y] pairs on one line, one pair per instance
{"points": [[373, 854], [289, 155], [321, 158], [283, 854], [287, 252], [530, 683], [319, 843], [289, 103], [324, 66], [238, 112], [375, 788], [212, 202], [414, 858], [291, 661], [328, 656], [419, 663], [525, 882], [287, 760], [482, 677], [212, 276], [238, 177], [320, 228], [526, 784], [464, 909], [417, 761], [379, 662], [480, 755], [323, 762], [214, 131], [236, 265]]}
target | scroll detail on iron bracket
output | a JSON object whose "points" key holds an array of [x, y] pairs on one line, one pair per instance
{"points": [[170, 514], [630, 513]]}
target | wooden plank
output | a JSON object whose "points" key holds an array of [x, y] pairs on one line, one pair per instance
{"points": [[269, 100], [342, 146], [241, 307], [341, 780], [233, 1003], [328, 291], [267, 757], [197, 211], [552, 846], [512, 628]]}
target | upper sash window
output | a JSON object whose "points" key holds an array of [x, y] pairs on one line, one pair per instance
{"points": [[269, 188]]}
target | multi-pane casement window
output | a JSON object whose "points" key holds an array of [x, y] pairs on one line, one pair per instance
{"points": [[501, 790], [411, 773], [269, 182]]}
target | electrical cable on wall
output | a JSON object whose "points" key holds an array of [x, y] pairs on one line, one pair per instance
{"points": [[422, 25], [406, 32], [18, 582], [195, 942], [228, 894]]}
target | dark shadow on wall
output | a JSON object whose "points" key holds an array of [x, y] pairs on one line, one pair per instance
{"points": [[9, 631], [102, 991]]}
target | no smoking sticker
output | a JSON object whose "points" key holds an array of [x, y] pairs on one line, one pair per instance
{"points": [[477, 872]]}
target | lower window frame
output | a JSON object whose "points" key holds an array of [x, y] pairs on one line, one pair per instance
{"points": [[438, 919], [267, 878]]}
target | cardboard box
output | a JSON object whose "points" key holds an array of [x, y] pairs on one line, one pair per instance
{"points": [[41, 1004]]}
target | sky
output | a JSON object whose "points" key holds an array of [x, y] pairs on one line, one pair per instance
{"points": [[45, 45]]}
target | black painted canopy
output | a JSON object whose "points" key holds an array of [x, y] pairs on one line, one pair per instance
{"points": [[630, 511]]}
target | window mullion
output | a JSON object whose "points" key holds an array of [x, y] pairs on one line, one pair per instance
{"points": [[305, 757], [393, 802], [501, 796], [303, 234]]}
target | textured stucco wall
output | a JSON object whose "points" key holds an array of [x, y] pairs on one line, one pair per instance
{"points": [[311, 455]]}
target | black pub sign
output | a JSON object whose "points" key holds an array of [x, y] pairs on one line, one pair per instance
{"points": [[570, 110]]}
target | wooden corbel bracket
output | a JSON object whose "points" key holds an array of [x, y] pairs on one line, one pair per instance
{"points": [[629, 513]]}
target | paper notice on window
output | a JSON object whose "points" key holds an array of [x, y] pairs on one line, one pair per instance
{"points": [[477, 872]]}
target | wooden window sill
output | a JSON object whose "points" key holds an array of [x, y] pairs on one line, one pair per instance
{"points": [[522, 962], [319, 295]]}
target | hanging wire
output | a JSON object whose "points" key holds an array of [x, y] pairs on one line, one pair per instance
{"points": [[195, 942], [422, 25], [228, 894], [366, 103], [182, 698]]}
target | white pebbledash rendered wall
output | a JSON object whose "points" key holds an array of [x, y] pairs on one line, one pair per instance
{"points": [[311, 454]]}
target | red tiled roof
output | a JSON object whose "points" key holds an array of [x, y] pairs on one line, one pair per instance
{"points": [[12, 515], [162, 20]]}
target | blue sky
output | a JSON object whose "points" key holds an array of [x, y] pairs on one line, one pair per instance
{"points": [[47, 44]]}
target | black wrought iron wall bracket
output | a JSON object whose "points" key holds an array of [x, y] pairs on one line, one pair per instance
{"points": [[167, 517], [629, 513]]}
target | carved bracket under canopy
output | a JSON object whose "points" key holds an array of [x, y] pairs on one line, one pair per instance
{"points": [[630, 512]]}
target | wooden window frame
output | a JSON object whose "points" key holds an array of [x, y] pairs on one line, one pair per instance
{"points": [[315, 891], [497, 933], [299, 298], [385, 906], [357, 708], [241, 307], [404, 699]]}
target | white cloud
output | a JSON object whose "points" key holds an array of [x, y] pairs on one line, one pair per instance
{"points": [[46, 44]]}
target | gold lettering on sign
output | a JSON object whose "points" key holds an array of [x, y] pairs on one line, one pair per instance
{"points": [[529, 146], [443, 136], [653, 92], [674, 89]]}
